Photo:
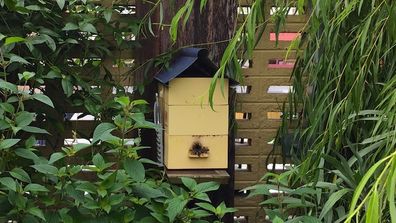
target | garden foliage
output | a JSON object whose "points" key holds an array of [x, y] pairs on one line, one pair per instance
{"points": [[51, 59], [344, 97]]}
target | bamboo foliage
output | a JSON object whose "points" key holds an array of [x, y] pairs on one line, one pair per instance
{"points": [[344, 87]]}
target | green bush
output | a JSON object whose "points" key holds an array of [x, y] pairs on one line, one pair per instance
{"points": [[50, 43]]}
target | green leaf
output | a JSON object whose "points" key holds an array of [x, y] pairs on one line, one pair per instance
{"points": [[70, 26], [36, 212], [35, 188], [135, 169], [44, 99], [373, 209], [391, 191], [46, 169], [333, 199], [8, 182], [87, 27], [18, 59], [107, 14], [146, 191], [202, 197], [206, 187], [33, 129], [98, 161], [71, 41], [55, 157], [26, 75], [67, 86], [26, 153], [13, 39], [175, 207], [8, 143], [101, 130], [8, 86], [124, 101], [20, 174], [49, 41], [361, 186], [277, 220], [24, 118], [116, 199], [61, 3], [189, 183], [207, 206]]}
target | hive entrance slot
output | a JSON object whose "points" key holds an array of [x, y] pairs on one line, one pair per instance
{"points": [[198, 150]]}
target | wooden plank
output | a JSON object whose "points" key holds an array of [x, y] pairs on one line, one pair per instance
{"points": [[252, 169], [265, 89], [250, 215], [260, 142], [244, 201], [240, 185], [220, 176], [269, 4], [261, 67], [259, 119], [267, 40], [119, 2]]}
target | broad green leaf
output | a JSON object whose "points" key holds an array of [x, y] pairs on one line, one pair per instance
{"points": [[55, 157], [46, 169], [70, 26], [44, 99], [61, 3], [67, 86], [36, 212], [206, 187], [124, 101], [50, 42], [116, 199], [207, 206], [189, 183], [175, 206], [87, 27], [107, 14], [20, 174], [26, 153], [98, 161], [8, 86], [101, 129], [26, 75], [33, 129], [35, 188], [24, 118], [135, 169], [277, 220], [13, 39], [146, 191], [18, 59], [8, 143], [8, 182]]}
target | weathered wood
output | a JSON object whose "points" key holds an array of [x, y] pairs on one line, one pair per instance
{"points": [[220, 176]]}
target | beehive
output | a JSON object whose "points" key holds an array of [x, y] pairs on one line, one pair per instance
{"points": [[195, 135]]}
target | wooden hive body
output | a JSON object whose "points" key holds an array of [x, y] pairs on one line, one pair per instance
{"points": [[196, 137]]}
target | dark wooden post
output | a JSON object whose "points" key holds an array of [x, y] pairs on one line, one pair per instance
{"points": [[210, 29]]}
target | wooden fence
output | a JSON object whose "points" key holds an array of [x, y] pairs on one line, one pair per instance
{"points": [[259, 104]]}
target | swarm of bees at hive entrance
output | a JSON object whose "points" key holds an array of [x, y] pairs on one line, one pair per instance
{"points": [[197, 149]]}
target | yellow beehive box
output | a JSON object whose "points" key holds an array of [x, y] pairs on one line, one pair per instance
{"points": [[195, 135]]}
